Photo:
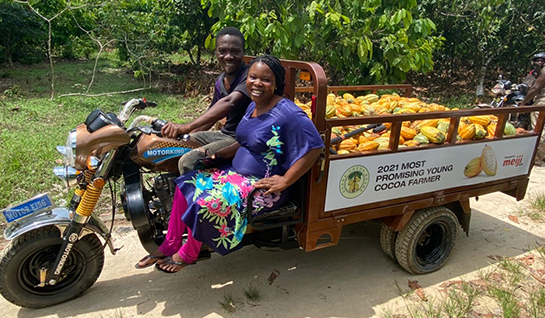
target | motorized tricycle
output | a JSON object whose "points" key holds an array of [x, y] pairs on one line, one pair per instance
{"points": [[420, 193]]}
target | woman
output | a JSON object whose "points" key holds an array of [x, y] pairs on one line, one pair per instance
{"points": [[277, 144]]}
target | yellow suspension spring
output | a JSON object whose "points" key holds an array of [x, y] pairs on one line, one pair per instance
{"points": [[79, 192], [89, 173], [89, 200]]}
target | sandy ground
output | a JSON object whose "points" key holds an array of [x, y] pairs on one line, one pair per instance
{"points": [[353, 279]]}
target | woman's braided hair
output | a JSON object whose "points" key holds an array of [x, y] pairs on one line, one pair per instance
{"points": [[278, 70]]}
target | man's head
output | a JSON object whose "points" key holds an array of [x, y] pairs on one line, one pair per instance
{"points": [[230, 49], [539, 59]]}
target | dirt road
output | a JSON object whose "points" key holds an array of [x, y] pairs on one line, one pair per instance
{"points": [[353, 279]]}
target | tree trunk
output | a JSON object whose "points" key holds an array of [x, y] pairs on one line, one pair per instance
{"points": [[480, 86], [8, 57]]}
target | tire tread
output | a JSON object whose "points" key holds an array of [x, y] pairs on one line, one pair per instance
{"points": [[19, 243], [402, 246]]}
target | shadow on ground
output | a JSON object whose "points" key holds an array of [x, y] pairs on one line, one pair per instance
{"points": [[348, 280]]}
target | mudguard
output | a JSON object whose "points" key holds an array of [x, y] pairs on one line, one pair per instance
{"points": [[59, 217], [136, 208]]}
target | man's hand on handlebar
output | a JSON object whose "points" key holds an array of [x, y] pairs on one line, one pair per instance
{"points": [[173, 130]]}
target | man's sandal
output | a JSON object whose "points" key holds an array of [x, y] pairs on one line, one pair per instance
{"points": [[146, 258], [170, 261]]}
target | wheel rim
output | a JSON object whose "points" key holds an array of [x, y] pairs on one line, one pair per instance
{"points": [[29, 273], [432, 244]]}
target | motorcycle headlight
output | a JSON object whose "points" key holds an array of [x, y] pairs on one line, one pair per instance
{"points": [[69, 150]]}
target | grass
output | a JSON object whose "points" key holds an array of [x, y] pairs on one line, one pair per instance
{"points": [[228, 303], [537, 207], [32, 125], [513, 287], [252, 294]]}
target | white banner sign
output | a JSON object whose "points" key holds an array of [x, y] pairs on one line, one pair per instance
{"points": [[357, 181]]}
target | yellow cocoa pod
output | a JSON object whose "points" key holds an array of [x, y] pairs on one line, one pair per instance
{"points": [[343, 152], [480, 132], [330, 99], [426, 122], [392, 105], [473, 167], [415, 123], [368, 110], [481, 120], [509, 130], [437, 107], [411, 143], [491, 129], [344, 110], [383, 144], [330, 111], [414, 106], [371, 97], [406, 111], [433, 134], [468, 132], [443, 126], [362, 139], [348, 96], [338, 131], [407, 133], [348, 144], [462, 125], [421, 139], [370, 145]]}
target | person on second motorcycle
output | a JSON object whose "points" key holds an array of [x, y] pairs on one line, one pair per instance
{"points": [[277, 144], [537, 95], [230, 101]]}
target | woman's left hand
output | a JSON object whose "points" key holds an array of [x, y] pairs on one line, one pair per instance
{"points": [[275, 184]]}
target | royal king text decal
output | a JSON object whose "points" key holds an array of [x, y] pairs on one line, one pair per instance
{"points": [[363, 180]]}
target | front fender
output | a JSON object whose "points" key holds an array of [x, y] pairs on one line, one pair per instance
{"points": [[59, 217]]}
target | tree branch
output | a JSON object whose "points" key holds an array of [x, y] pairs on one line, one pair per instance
{"points": [[107, 94]]}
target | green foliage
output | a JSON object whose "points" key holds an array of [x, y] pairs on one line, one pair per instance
{"points": [[188, 28], [23, 34], [361, 42], [495, 34]]}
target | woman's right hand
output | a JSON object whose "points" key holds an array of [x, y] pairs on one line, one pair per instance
{"points": [[274, 184]]}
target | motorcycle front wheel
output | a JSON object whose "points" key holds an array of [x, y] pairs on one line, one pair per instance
{"points": [[21, 261]]}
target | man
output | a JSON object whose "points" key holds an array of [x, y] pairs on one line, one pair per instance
{"points": [[230, 100], [538, 91]]}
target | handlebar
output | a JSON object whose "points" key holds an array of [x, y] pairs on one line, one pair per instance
{"points": [[130, 106]]}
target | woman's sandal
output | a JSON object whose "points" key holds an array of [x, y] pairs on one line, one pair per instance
{"points": [[170, 261], [146, 258]]}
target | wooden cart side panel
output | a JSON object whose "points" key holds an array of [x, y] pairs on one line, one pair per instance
{"points": [[331, 227]]}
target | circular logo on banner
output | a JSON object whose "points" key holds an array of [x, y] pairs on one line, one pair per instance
{"points": [[354, 181]]}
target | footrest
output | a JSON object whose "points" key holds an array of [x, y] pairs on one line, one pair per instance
{"points": [[286, 211]]}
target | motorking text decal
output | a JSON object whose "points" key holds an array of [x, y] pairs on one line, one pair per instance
{"points": [[165, 153]]}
